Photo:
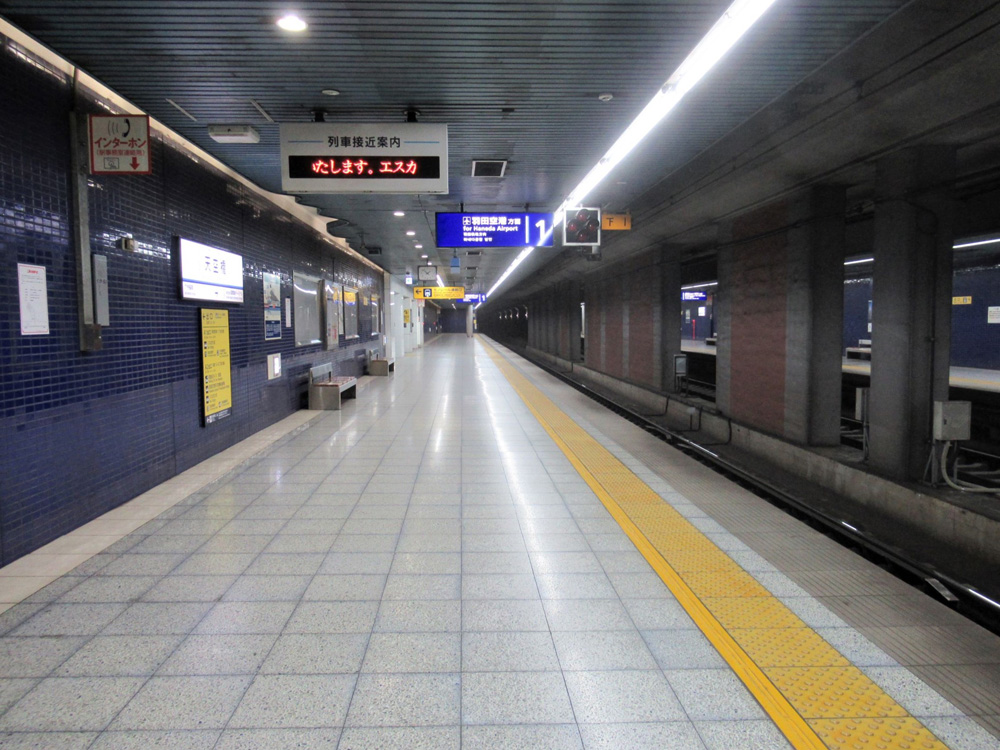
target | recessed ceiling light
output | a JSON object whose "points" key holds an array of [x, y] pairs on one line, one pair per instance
{"points": [[424, 256], [605, 97], [292, 22], [419, 246], [399, 213], [411, 233], [330, 92]]}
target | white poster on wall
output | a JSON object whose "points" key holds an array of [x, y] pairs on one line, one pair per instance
{"points": [[272, 306], [993, 315], [34, 300]]}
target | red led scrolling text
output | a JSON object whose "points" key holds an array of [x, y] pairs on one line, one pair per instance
{"points": [[362, 167]]}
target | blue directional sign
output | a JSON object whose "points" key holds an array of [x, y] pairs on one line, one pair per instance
{"points": [[474, 297], [494, 230]]}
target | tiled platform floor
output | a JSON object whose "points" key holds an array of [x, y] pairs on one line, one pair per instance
{"points": [[422, 569]]}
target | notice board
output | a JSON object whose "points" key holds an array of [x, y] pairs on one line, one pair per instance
{"points": [[217, 386]]}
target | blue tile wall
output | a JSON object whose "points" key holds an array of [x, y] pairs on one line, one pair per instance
{"points": [[974, 341], [81, 433]]}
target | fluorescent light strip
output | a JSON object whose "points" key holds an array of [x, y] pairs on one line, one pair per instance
{"points": [[510, 269], [978, 243], [700, 286], [440, 283], [735, 22], [984, 598], [858, 262]]}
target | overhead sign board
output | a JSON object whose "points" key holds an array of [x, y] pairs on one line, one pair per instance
{"points": [[474, 297], [438, 292], [693, 296], [494, 230], [327, 157], [616, 222], [119, 144]]}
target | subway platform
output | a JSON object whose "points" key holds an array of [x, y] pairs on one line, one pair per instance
{"points": [[474, 555]]}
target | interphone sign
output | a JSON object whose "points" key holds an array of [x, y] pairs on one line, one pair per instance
{"points": [[119, 144], [326, 157]]}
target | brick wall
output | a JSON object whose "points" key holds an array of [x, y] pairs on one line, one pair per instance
{"points": [[80, 433], [644, 304], [758, 317]]}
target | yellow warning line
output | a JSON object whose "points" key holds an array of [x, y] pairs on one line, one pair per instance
{"points": [[813, 694]]}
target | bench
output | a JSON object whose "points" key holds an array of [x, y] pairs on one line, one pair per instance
{"points": [[858, 352], [381, 366], [326, 389]]}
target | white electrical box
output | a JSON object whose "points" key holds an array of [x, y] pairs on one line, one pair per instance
{"points": [[952, 420], [102, 308], [273, 366]]}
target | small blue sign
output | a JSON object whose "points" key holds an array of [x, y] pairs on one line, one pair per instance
{"points": [[693, 296], [494, 230], [474, 297]]}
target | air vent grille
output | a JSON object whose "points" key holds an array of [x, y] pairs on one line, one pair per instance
{"points": [[489, 168]]}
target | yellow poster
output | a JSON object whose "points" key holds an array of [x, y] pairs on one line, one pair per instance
{"points": [[217, 384], [406, 317], [438, 292]]}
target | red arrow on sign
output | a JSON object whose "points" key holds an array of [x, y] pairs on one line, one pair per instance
{"points": [[135, 163]]}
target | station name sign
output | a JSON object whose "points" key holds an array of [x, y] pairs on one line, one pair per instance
{"points": [[324, 157], [494, 230], [693, 296]]}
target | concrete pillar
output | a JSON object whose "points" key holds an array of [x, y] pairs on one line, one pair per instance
{"points": [[911, 306], [574, 296], [670, 316], [723, 311], [468, 321], [814, 317], [626, 330], [533, 332]]}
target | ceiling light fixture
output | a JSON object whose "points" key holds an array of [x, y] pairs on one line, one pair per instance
{"points": [[330, 92], [727, 31], [424, 256], [399, 213], [440, 283], [292, 22], [410, 233], [418, 246]]}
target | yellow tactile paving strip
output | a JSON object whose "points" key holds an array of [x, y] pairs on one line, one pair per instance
{"points": [[813, 694]]}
